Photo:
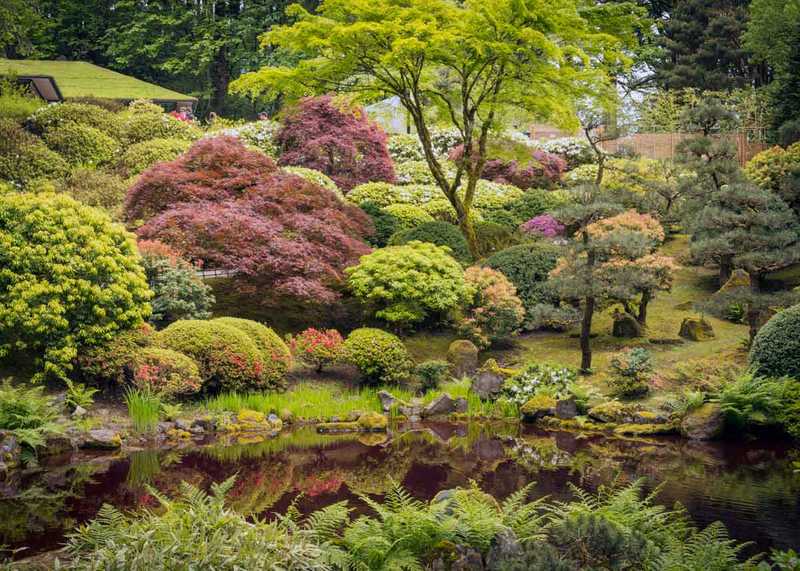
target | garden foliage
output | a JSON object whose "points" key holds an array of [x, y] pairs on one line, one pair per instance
{"points": [[379, 356], [317, 348], [493, 312]]}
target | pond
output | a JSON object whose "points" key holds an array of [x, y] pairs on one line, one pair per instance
{"points": [[752, 487]]}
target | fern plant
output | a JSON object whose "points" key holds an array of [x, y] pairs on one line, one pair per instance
{"points": [[28, 414]]}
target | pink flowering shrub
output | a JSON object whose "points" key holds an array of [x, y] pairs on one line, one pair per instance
{"points": [[543, 225], [494, 311], [544, 171], [164, 372], [342, 143], [317, 348]]}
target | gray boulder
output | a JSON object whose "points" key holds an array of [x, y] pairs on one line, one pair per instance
{"points": [[388, 400], [704, 423], [441, 406], [566, 408], [505, 546], [488, 384], [102, 439]]}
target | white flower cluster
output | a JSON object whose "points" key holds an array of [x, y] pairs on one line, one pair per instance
{"points": [[536, 379], [259, 134], [574, 150]]}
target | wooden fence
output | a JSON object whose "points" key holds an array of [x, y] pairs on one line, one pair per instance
{"points": [[662, 145]]}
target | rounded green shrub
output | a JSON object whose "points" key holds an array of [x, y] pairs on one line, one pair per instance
{"points": [[317, 177], [493, 237], [533, 203], [165, 372], [53, 117], [141, 156], [96, 188], [407, 216], [25, 158], [406, 284], [386, 194], [528, 267], [384, 223], [144, 121], [776, 348], [69, 279], [276, 355], [379, 356], [413, 172], [228, 357], [81, 144], [110, 361], [437, 233]]}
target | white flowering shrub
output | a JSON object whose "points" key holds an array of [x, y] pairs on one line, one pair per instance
{"points": [[259, 134], [405, 148], [581, 175], [444, 140], [540, 379], [575, 151]]}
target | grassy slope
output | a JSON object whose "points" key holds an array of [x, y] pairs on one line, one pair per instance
{"points": [[664, 319], [82, 79]]}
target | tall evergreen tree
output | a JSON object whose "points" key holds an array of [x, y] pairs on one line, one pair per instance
{"points": [[704, 48]]}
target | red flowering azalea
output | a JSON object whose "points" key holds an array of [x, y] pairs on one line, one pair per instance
{"points": [[317, 348]]}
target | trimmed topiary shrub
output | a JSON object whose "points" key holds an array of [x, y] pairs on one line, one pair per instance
{"points": [[493, 312], [52, 117], [414, 172], [81, 145], [528, 267], [143, 121], [166, 373], [379, 356], [228, 357], [178, 292], [776, 348], [437, 233], [96, 188], [25, 158], [406, 284], [385, 194], [407, 216], [343, 143], [277, 357], [69, 279], [141, 156]]}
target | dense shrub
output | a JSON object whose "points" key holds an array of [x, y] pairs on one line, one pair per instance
{"points": [[143, 121], [438, 233], [631, 370], [778, 170], [431, 374], [110, 361], [16, 102], [258, 134], [69, 279], [112, 105], [405, 284], [379, 356], [25, 158], [232, 208], [551, 317], [275, 354], [575, 152], [414, 172], [342, 143], [228, 358], [532, 203], [385, 194], [141, 156], [317, 348], [494, 237], [407, 216], [543, 225], [528, 267], [385, 224], [405, 148], [442, 210], [776, 348], [52, 117], [537, 379], [316, 177], [493, 310], [178, 292], [544, 171], [81, 145], [166, 373], [96, 188]]}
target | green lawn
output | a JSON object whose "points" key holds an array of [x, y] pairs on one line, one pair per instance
{"points": [[83, 79]]}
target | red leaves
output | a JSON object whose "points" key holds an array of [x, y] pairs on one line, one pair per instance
{"points": [[343, 144], [231, 208]]}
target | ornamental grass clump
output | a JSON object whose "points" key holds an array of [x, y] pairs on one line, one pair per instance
{"points": [[144, 408]]}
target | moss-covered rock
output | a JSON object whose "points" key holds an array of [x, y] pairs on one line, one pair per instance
{"points": [[537, 407], [373, 422], [463, 357], [645, 429], [616, 412], [696, 329], [338, 427], [704, 423]]}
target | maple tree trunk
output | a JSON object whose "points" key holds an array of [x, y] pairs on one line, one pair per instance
{"points": [[642, 317]]}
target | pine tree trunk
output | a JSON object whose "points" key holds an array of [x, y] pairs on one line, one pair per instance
{"points": [[642, 317], [725, 270], [753, 311], [220, 78], [586, 332]]}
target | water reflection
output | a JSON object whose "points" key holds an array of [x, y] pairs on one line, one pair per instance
{"points": [[753, 487]]}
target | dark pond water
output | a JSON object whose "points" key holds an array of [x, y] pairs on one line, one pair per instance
{"points": [[754, 488]]}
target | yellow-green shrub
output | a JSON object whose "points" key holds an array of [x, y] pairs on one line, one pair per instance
{"points": [[379, 356], [276, 355], [141, 156], [81, 145]]}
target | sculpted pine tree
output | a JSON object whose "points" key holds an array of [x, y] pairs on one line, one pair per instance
{"points": [[477, 62], [754, 230]]}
